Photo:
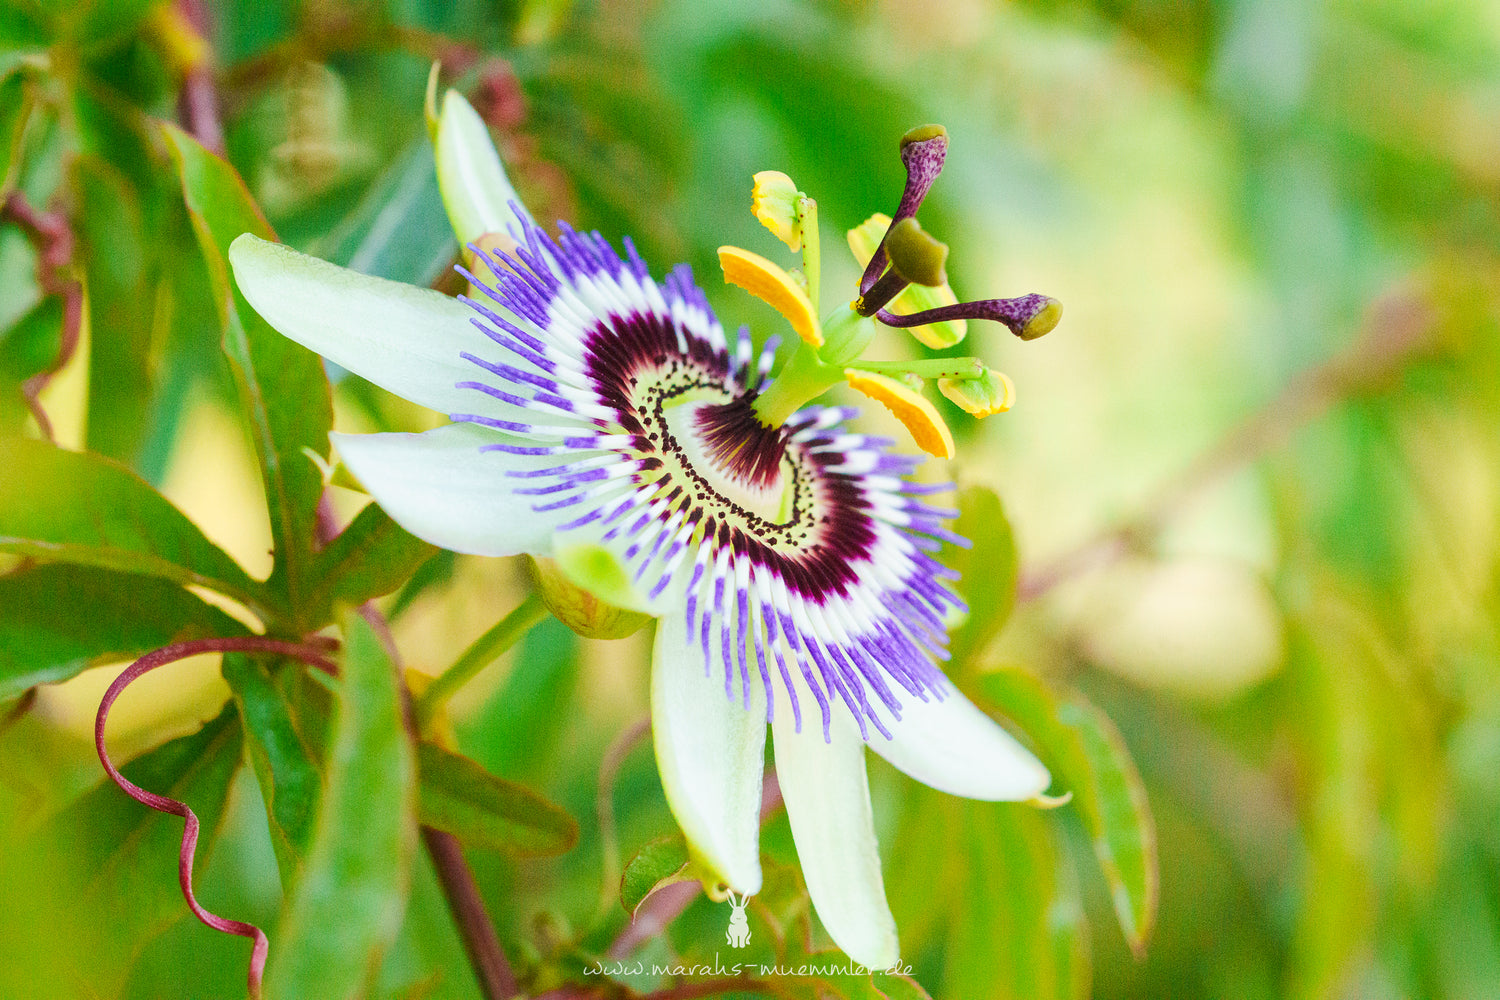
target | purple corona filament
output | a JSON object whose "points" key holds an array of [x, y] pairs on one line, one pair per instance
{"points": [[795, 550]]}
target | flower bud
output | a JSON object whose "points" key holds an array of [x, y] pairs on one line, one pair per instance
{"points": [[580, 610], [477, 193]]}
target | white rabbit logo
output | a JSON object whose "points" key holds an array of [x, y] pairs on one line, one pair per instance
{"points": [[739, 923]]}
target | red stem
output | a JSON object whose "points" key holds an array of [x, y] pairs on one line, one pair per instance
{"points": [[475, 929], [147, 663], [53, 238], [199, 102]]}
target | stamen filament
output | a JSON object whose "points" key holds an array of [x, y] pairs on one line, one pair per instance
{"points": [[807, 221], [933, 368], [916, 259]]}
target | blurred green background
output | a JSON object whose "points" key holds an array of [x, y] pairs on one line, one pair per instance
{"points": [[1252, 477]]}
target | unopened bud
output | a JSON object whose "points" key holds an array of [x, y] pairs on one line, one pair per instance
{"points": [[580, 610]]}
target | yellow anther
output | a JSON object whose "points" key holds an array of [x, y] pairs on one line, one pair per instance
{"points": [[773, 286], [865, 237], [916, 298], [774, 202], [910, 407], [991, 393]]}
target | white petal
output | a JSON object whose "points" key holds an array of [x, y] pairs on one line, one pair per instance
{"points": [[828, 804], [475, 189], [439, 486], [402, 338], [711, 755], [954, 747]]}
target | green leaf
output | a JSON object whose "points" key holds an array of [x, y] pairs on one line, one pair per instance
{"points": [[75, 507], [659, 863], [399, 230], [13, 409], [461, 797], [1018, 927], [115, 253], [348, 905], [119, 858], [282, 386], [370, 558], [1089, 759], [105, 22], [988, 572], [435, 572], [533, 704], [46, 635], [22, 28], [290, 779], [28, 346]]}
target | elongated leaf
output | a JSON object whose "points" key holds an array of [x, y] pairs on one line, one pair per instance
{"points": [[75, 507], [370, 558], [290, 780], [12, 407], [658, 863], [119, 858], [348, 905], [1089, 759], [533, 703], [400, 229], [986, 884], [106, 21], [1018, 927], [459, 796], [115, 252], [283, 389], [58, 620], [30, 344], [988, 580]]}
